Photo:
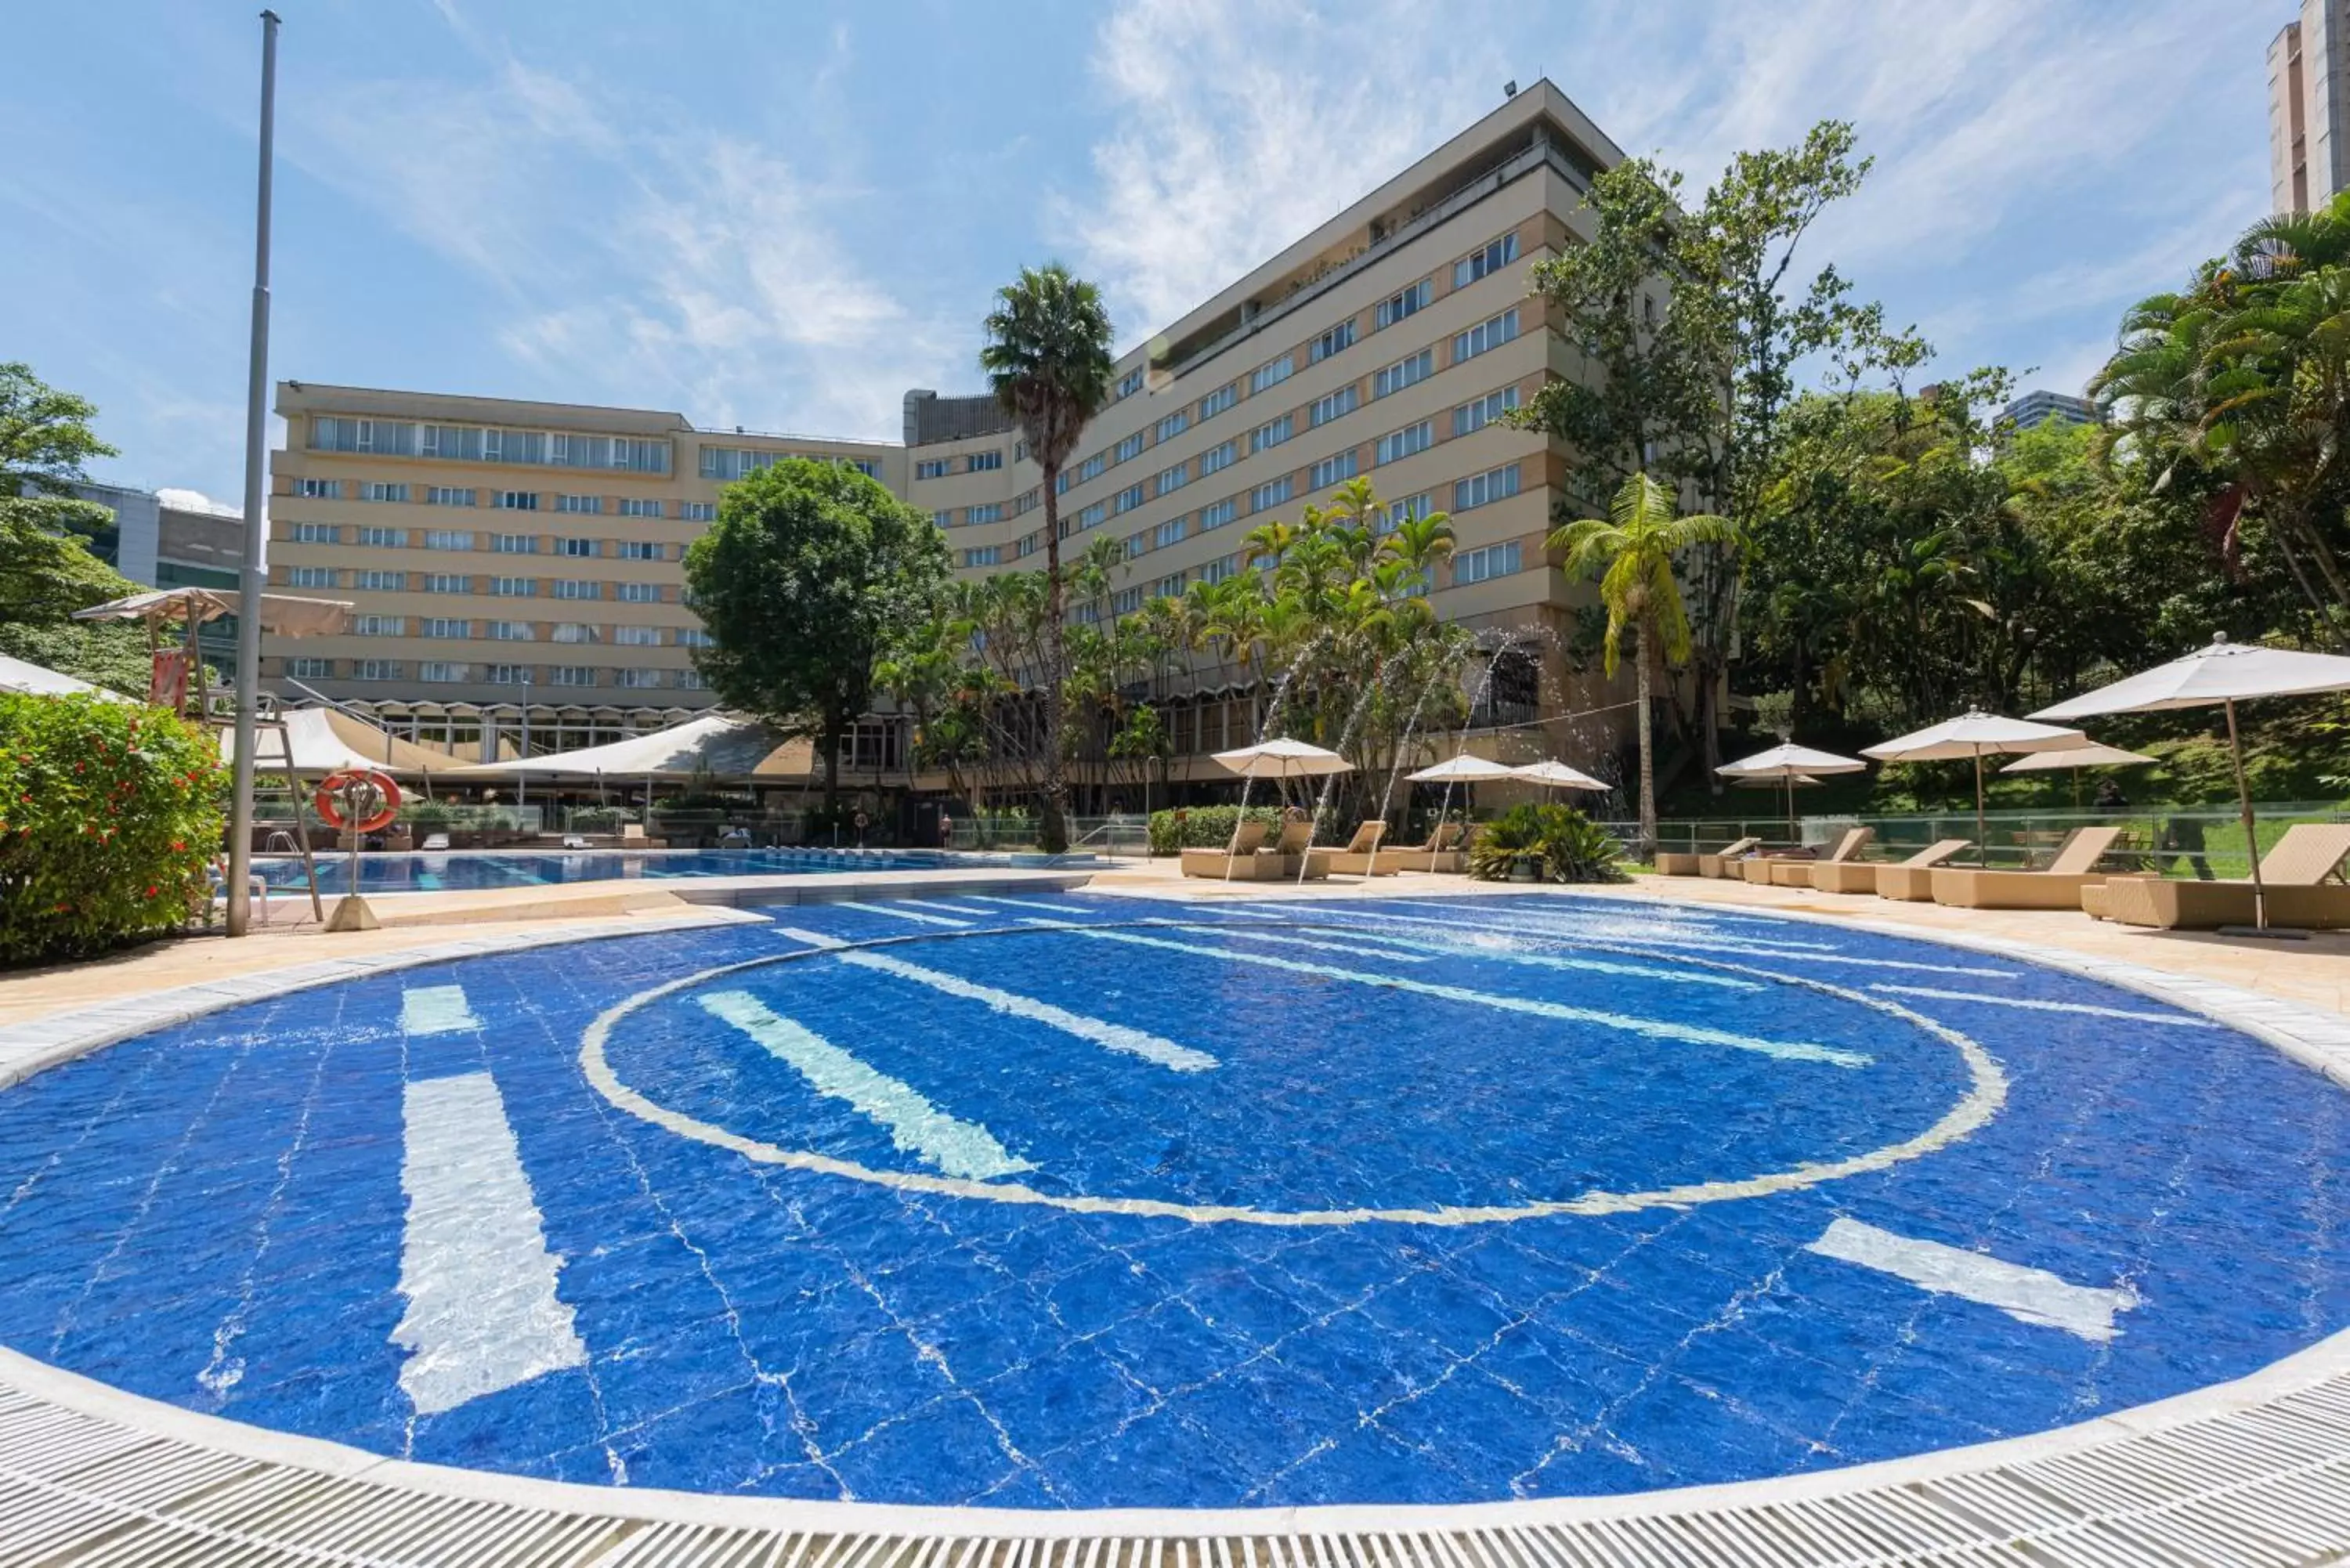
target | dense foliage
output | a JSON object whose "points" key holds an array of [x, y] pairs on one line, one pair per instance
{"points": [[47, 570], [1563, 845], [109, 814], [811, 574], [1206, 826]]}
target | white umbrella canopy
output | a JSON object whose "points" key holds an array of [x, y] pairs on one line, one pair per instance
{"points": [[2093, 755], [1787, 761], [1553, 774], [283, 615], [2224, 673], [1977, 735], [1283, 759], [39, 681], [1462, 769]]}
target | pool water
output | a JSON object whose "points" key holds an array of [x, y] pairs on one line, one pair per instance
{"points": [[472, 870], [1069, 1201]]}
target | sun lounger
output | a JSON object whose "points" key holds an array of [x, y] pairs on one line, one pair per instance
{"points": [[1905, 880], [1441, 852], [1297, 860], [2056, 888], [435, 841], [1791, 872], [1724, 861], [1360, 857], [1236, 861], [2294, 882], [575, 841]]}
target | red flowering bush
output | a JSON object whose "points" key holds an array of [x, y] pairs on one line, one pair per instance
{"points": [[109, 814]]}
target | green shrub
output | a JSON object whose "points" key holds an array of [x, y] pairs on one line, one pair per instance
{"points": [[597, 819], [1565, 844], [109, 815], [428, 814], [1204, 826]]}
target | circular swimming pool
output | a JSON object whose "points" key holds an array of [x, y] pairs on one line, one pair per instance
{"points": [[1069, 1202]]}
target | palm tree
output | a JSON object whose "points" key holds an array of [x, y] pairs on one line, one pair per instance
{"points": [[1631, 552], [1047, 359]]}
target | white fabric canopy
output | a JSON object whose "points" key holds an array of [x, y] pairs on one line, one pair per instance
{"points": [[1557, 776], [39, 681], [721, 746], [2091, 756], [1462, 769], [1786, 759], [325, 741], [1974, 734], [1283, 759], [283, 615]]}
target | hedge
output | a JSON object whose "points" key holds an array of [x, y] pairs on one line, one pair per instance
{"points": [[1204, 826], [110, 813]]}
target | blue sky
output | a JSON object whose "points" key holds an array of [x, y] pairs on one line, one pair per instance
{"points": [[783, 217]]}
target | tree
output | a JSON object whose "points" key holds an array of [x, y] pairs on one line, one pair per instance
{"points": [[45, 435], [47, 573], [1047, 359], [1632, 552], [812, 574]]}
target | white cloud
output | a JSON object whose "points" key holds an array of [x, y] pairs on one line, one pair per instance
{"points": [[196, 501]]}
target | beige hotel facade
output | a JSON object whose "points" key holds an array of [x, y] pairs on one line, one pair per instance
{"points": [[504, 556]]}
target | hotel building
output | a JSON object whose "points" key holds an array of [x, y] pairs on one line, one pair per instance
{"points": [[502, 554], [2309, 107]]}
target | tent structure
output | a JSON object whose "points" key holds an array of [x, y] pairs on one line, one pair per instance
{"points": [[1977, 735], [323, 741], [1787, 763], [716, 745], [38, 680], [2220, 675]]}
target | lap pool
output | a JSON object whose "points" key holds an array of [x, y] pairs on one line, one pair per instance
{"points": [[1068, 1201], [474, 870]]}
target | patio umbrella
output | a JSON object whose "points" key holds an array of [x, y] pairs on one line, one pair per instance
{"points": [[1557, 776], [1977, 735], [2224, 673], [2091, 756], [1788, 762], [1283, 759]]}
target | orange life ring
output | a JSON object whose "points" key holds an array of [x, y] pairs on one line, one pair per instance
{"points": [[330, 812]]}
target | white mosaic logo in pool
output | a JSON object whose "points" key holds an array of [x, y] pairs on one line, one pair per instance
{"points": [[961, 1156]]}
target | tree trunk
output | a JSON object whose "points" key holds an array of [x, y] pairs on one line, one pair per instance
{"points": [[831, 742], [1647, 754], [1053, 825]]}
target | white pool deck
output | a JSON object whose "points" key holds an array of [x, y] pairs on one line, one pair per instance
{"points": [[2254, 1471]]}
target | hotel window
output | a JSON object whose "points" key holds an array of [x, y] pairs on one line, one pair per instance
{"points": [[514, 500], [375, 670], [376, 491], [1331, 470], [1167, 586], [393, 438], [509, 674], [572, 631], [577, 588], [1170, 532], [1402, 443], [1482, 412], [633, 507], [436, 670], [1092, 467], [639, 593], [1274, 493], [1495, 485], [639, 550], [313, 533], [638, 679], [1409, 510], [1126, 601], [1130, 449], [448, 539], [1483, 263], [515, 587], [990, 513], [1085, 614], [511, 631], [379, 626], [443, 583], [1220, 568], [1135, 544], [1127, 499], [439, 626], [310, 577], [448, 495], [1223, 456], [1485, 335], [1131, 382], [384, 538], [1493, 561], [637, 636], [1217, 516], [578, 548], [943, 519], [1094, 516], [320, 489], [1338, 337], [689, 681], [1217, 401], [983, 462], [1395, 308], [698, 511], [310, 669], [1337, 405], [1169, 479], [1174, 424], [1273, 433], [930, 468], [1029, 544], [863, 465], [984, 556], [515, 544], [1273, 373], [1411, 368], [695, 637], [571, 675], [381, 582]]}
